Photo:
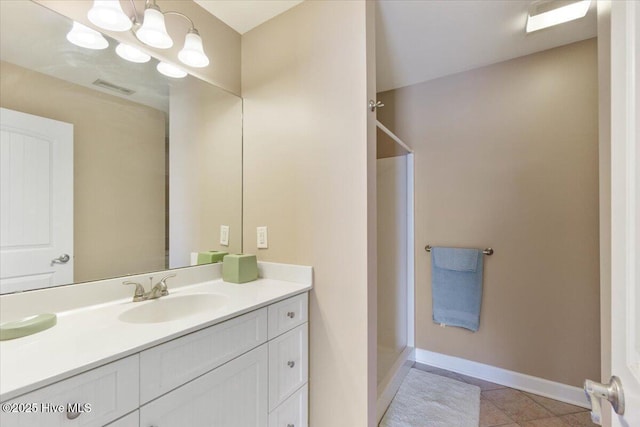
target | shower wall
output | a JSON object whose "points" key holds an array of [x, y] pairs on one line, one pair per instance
{"points": [[392, 261], [507, 156]]}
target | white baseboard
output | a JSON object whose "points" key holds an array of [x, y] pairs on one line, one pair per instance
{"points": [[554, 390], [390, 384]]}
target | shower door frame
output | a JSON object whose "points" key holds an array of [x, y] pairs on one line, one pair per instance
{"points": [[388, 387]]}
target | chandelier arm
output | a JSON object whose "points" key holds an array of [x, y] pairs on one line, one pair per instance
{"points": [[173, 12], [135, 11]]}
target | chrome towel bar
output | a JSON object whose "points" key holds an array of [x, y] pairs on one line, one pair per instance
{"points": [[487, 251]]}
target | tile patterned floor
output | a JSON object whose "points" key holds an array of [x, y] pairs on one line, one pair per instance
{"points": [[506, 407]]}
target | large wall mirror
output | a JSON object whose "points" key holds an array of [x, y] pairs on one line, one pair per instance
{"points": [[108, 168]]}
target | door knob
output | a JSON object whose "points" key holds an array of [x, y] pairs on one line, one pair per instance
{"points": [[62, 259], [612, 392]]}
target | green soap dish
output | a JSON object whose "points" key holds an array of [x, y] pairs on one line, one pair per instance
{"points": [[27, 326]]}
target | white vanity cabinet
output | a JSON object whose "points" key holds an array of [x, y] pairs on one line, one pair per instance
{"points": [[264, 387], [248, 371]]}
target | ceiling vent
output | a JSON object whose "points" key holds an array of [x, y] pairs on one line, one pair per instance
{"points": [[110, 86]]}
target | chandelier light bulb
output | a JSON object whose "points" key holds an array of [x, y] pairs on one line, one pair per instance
{"points": [[132, 54], [170, 70], [108, 14], [153, 31], [192, 53], [83, 36]]}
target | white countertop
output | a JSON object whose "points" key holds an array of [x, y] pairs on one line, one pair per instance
{"points": [[88, 337]]}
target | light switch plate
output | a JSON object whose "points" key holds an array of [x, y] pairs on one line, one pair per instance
{"points": [[263, 243], [224, 235]]}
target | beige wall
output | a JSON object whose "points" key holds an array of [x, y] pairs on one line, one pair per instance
{"points": [[306, 160], [392, 261], [205, 175], [118, 228], [221, 42], [507, 156]]}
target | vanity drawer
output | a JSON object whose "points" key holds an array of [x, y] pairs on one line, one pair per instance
{"points": [[293, 412], [288, 314], [110, 390], [172, 364], [288, 364], [131, 420]]}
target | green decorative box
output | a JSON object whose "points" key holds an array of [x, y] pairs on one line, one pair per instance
{"points": [[211, 257], [239, 268]]}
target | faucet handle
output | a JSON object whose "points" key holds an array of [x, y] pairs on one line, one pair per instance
{"points": [[164, 279], [139, 292], [162, 284]]}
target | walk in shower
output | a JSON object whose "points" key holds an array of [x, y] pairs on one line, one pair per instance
{"points": [[395, 262]]}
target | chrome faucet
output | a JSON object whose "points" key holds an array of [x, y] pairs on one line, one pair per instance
{"points": [[158, 290]]}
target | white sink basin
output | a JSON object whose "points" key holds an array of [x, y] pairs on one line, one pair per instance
{"points": [[166, 309]]}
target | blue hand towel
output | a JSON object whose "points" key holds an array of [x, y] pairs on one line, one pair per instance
{"points": [[456, 281]]}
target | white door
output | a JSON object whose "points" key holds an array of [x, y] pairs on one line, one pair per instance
{"points": [[36, 202], [625, 206]]}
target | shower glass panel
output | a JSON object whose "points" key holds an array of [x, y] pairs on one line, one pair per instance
{"points": [[392, 261]]}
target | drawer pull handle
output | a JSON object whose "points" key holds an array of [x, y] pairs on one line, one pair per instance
{"points": [[291, 315], [72, 415], [291, 425], [291, 363]]}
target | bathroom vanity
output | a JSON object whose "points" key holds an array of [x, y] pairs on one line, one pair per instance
{"points": [[237, 358]]}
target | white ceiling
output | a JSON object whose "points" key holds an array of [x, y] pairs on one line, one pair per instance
{"points": [[420, 40], [416, 40], [244, 15]]}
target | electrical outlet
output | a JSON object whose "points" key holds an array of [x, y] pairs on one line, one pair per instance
{"points": [[262, 238], [224, 235]]}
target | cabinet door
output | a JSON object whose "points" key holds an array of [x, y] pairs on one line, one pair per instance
{"points": [[91, 399], [288, 364], [293, 412], [233, 395]]}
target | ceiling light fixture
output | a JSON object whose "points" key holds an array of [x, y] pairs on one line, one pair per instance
{"points": [[193, 53], [132, 54], [152, 30], [108, 14], [547, 13], [170, 70], [86, 37]]}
